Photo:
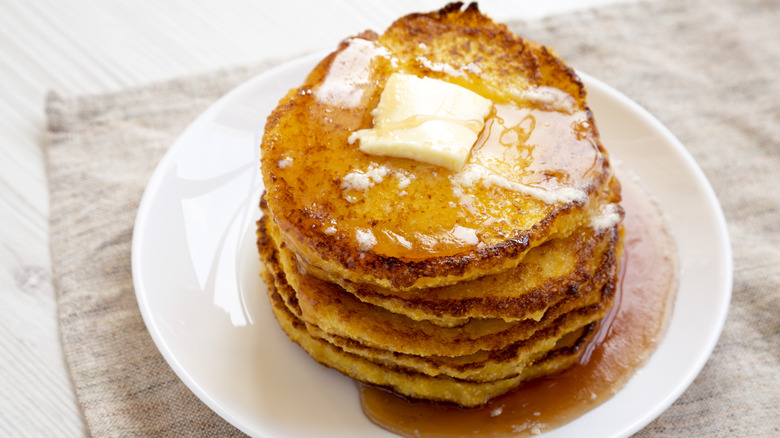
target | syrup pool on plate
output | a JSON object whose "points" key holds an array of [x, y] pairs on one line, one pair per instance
{"points": [[628, 336]]}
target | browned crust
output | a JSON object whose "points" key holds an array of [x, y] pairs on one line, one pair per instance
{"points": [[447, 303], [337, 312], [504, 363], [539, 299], [300, 223], [401, 273], [412, 384]]}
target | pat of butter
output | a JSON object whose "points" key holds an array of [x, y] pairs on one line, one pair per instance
{"points": [[425, 119]]}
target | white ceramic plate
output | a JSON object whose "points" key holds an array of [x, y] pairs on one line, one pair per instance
{"points": [[195, 270]]}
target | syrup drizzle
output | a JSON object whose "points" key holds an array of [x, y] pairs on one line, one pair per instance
{"points": [[626, 339]]}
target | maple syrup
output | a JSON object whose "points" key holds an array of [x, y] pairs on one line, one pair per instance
{"points": [[626, 338]]}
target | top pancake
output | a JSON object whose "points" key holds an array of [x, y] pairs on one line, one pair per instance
{"points": [[409, 224]]}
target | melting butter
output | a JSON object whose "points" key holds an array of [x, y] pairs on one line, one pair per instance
{"points": [[425, 119]]}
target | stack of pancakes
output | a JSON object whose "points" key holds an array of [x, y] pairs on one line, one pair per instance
{"points": [[444, 285]]}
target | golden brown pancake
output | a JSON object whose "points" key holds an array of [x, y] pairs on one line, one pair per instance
{"points": [[482, 366], [336, 312], [549, 273], [433, 226], [444, 285], [415, 385], [381, 337]]}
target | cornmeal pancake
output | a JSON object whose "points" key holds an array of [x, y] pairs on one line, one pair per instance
{"points": [[548, 273], [439, 217], [537, 171], [482, 366], [415, 385], [336, 312]]}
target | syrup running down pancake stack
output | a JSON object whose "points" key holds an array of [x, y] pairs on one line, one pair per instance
{"points": [[452, 283]]}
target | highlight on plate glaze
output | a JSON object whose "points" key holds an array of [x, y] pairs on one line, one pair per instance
{"points": [[210, 177]]}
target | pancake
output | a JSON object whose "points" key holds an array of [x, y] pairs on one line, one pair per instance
{"points": [[415, 385], [444, 283], [427, 225], [336, 312], [381, 337], [548, 273], [482, 366]]}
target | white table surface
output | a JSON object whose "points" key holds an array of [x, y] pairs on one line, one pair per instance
{"points": [[92, 46]]}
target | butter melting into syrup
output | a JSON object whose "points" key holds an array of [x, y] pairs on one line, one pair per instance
{"points": [[625, 340]]}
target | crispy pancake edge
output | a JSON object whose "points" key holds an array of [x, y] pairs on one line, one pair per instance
{"points": [[338, 313]]}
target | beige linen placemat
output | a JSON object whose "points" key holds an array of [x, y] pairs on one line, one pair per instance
{"points": [[707, 70]]}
